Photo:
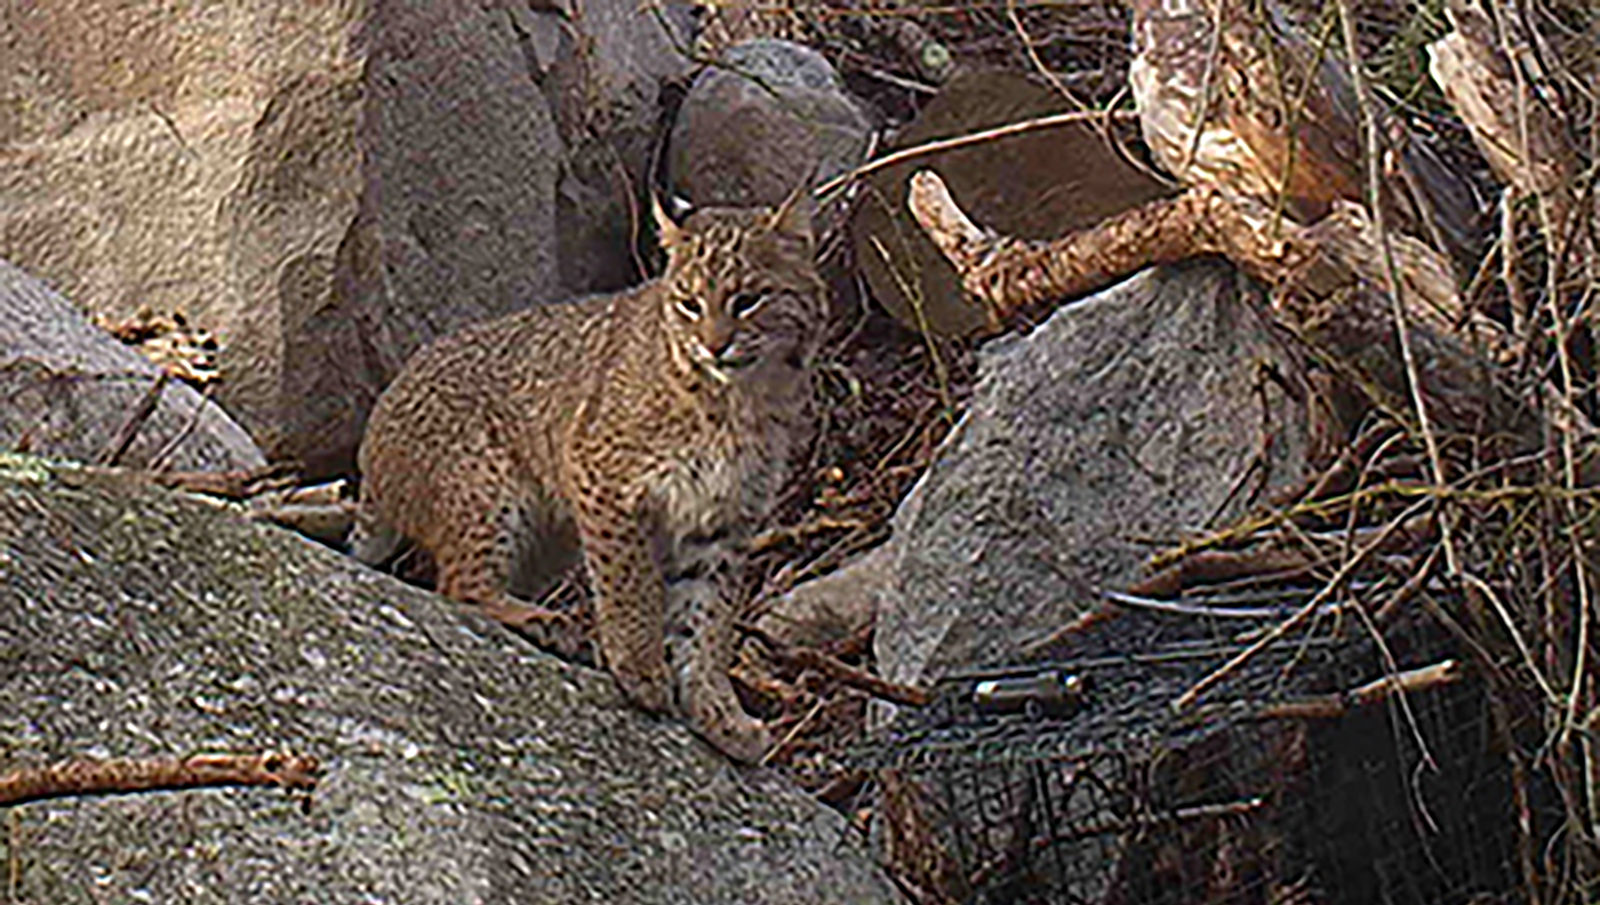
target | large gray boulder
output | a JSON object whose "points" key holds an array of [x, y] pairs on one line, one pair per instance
{"points": [[70, 389], [462, 765], [770, 115], [326, 186], [1132, 418]]}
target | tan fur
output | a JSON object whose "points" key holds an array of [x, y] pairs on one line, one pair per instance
{"points": [[624, 429]]}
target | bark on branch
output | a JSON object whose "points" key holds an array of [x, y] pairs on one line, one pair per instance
{"points": [[1334, 706], [118, 777], [1013, 278], [1330, 282], [1519, 131]]}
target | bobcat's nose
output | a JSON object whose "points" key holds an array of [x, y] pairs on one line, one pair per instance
{"points": [[717, 340]]}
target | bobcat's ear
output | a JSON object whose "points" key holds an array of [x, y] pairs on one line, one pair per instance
{"points": [[668, 232], [793, 216]]}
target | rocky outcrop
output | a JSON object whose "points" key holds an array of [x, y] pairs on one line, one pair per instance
{"points": [[461, 765], [324, 186], [1139, 416], [604, 66], [769, 116], [70, 390]]}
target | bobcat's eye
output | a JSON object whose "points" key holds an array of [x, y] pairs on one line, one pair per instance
{"points": [[745, 303], [691, 308]]}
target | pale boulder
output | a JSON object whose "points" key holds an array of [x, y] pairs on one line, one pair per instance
{"points": [[1149, 413], [771, 115], [325, 186], [70, 391]]}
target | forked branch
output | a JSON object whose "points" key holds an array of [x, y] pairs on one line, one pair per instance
{"points": [[1326, 279], [1014, 278]]}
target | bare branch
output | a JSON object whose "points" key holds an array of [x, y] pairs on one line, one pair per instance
{"points": [[77, 778], [839, 671], [135, 421], [1334, 706]]}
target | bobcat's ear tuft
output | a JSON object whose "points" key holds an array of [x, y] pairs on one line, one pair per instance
{"points": [[668, 232], [793, 216]]}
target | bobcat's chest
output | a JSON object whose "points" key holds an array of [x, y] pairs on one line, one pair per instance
{"points": [[705, 492]]}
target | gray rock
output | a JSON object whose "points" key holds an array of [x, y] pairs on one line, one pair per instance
{"points": [[769, 116], [69, 388], [462, 765], [602, 67], [1129, 418], [325, 186], [836, 606]]}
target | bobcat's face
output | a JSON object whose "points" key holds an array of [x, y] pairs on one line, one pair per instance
{"points": [[741, 291]]}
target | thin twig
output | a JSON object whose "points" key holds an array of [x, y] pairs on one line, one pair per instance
{"points": [[1188, 698], [896, 80], [962, 141], [161, 459], [1038, 63], [1372, 151], [130, 427], [1153, 820], [794, 732], [76, 778], [1408, 591], [1391, 668], [1477, 585], [839, 671], [788, 534], [1133, 601], [237, 485]]}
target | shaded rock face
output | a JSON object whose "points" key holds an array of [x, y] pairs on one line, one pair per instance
{"points": [[1134, 417], [772, 115], [836, 606], [325, 186], [603, 65], [462, 766], [69, 388]]}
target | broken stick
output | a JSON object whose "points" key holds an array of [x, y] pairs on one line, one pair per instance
{"points": [[75, 778], [839, 671], [1334, 706], [1015, 277], [135, 421], [1329, 282], [235, 486]]}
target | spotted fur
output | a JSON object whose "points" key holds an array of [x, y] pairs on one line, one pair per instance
{"points": [[645, 431]]}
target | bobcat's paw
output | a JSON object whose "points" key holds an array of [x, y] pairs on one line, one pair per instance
{"points": [[740, 737]]}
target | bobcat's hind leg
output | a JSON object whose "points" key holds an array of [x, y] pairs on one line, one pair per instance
{"points": [[475, 567]]}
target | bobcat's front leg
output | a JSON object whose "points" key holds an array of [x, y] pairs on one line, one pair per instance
{"points": [[630, 620], [701, 604]]}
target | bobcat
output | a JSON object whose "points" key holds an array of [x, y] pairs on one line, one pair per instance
{"points": [[645, 431]]}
